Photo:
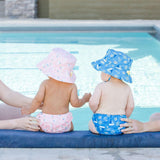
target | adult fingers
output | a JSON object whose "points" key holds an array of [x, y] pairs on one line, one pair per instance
{"points": [[126, 120], [126, 125], [33, 127], [128, 130], [33, 119], [33, 124]]}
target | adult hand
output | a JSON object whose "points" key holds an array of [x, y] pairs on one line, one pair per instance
{"points": [[132, 126], [27, 123]]}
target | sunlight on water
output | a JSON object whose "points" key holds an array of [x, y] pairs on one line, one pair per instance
{"points": [[146, 82], [20, 73]]}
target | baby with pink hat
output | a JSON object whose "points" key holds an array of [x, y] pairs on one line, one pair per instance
{"points": [[57, 92]]}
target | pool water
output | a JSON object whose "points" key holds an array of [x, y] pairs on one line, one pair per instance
{"points": [[20, 52]]}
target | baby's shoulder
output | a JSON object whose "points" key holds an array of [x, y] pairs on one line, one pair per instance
{"points": [[72, 86], [126, 87], [100, 85], [46, 82]]}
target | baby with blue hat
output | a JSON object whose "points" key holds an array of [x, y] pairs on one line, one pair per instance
{"points": [[112, 99]]}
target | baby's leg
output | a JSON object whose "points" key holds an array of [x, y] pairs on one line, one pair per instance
{"points": [[154, 117], [9, 112], [92, 127]]}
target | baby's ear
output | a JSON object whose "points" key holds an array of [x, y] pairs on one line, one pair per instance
{"points": [[105, 76]]}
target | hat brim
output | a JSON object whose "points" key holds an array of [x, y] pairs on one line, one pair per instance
{"points": [[100, 67], [68, 76]]}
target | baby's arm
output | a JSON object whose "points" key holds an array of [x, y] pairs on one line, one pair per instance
{"points": [[130, 104], [37, 101], [95, 98], [75, 101]]}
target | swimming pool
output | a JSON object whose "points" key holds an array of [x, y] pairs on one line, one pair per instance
{"points": [[20, 52]]}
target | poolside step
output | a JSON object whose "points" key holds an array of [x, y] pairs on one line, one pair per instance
{"points": [[76, 139]]}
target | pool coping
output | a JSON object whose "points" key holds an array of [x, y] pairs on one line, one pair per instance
{"points": [[149, 29], [47, 25]]}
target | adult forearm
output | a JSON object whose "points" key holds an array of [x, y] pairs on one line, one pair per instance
{"points": [[8, 124], [152, 126], [16, 99], [26, 123], [13, 98]]}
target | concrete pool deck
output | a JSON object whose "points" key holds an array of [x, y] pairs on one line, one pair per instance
{"points": [[51, 22], [82, 154]]}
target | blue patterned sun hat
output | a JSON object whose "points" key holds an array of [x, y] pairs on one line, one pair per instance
{"points": [[116, 64]]}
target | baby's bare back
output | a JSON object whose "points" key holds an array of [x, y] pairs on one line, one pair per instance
{"points": [[114, 97], [57, 97]]}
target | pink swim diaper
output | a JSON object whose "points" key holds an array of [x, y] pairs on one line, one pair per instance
{"points": [[55, 123]]}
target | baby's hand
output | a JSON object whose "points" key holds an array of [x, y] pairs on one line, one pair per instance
{"points": [[86, 97], [25, 111]]}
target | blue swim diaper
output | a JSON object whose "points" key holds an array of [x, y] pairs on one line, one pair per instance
{"points": [[108, 124]]}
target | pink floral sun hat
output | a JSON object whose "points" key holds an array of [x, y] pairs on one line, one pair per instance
{"points": [[59, 65]]}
